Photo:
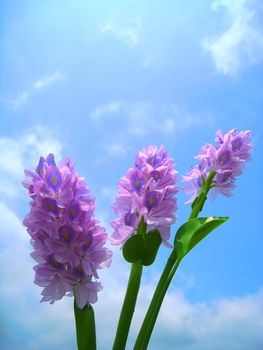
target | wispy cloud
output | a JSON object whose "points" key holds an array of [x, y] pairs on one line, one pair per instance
{"points": [[241, 44], [141, 118], [18, 292], [17, 101], [149, 59], [116, 150], [21, 152], [48, 80], [107, 194], [225, 323], [131, 33], [125, 30], [17, 276], [104, 110], [123, 125], [43, 83]]}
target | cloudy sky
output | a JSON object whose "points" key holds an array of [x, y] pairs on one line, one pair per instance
{"points": [[98, 81]]}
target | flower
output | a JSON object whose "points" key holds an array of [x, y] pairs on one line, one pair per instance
{"points": [[146, 191], [67, 239], [226, 158]]}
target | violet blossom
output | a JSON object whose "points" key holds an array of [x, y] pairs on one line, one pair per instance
{"points": [[67, 239], [226, 158], [146, 191]]}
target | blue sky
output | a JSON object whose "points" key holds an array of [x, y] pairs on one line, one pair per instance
{"points": [[98, 81]]}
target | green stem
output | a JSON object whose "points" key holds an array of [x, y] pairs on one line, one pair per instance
{"points": [[167, 275], [85, 327], [128, 307], [200, 200], [153, 312], [147, 323]]}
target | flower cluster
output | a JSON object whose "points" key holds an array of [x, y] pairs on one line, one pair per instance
{"points": [[226, 158], [68, 242], [146, 191]]}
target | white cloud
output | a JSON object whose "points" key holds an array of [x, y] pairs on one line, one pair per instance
{"points": [[168, 125], [23, 152], [38, 326], [241, 44], [127, 123], [149, 60], [22, 99], [48, 80], [231, 324], [12, 232], [20, 297], [226, 323], [18, 101], [130, 32], [108, 192], [116, 150], [125, 30], [141, 118], [106, 109]]}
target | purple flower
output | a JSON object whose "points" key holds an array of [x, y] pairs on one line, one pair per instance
{"points": [[194, 180], [51, 206], [53, 177], [226, 158], [73, 210], [146, 191], [68, 242]]}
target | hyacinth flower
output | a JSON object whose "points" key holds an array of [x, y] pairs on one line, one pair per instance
{"points": [[67, 239], [145, 206], [146, 191], [219, 166]]}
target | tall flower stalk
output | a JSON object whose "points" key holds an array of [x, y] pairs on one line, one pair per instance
{"points": [[145, 202], [67, 239], [69, 243], [146, 191], [217, 171]]}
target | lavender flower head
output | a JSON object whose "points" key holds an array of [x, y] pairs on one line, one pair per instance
{"points": [[226, 158], [68, 242], [146, 191]]}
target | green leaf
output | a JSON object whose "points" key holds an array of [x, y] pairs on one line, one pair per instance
{"points": [[142, 248], [193, 231], [85, 327]]}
